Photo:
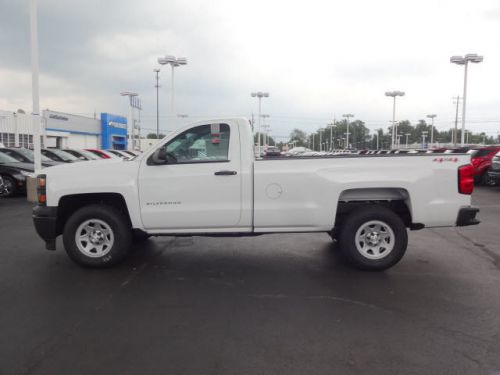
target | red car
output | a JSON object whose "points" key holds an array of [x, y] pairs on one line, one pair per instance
{"points": [[481, 161]]}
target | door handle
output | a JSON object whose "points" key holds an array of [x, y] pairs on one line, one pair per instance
{"points": [[225, 173]]}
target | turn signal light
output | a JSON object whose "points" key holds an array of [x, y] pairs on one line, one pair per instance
{"points": [[466, 179], [41, 189]]}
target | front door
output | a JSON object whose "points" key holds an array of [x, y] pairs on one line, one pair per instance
{"points": [[193, 181]]}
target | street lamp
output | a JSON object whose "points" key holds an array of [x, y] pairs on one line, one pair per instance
{"points": [[464, 60], [432, 117], [132, 123], [266, 127], [174, 63], [394, 94], [424, 134], [35, 92], [157, 71], [407, 135], [259, 95], [347, 115]]}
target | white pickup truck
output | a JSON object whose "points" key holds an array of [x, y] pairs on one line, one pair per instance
{"points": [[205, 180]]}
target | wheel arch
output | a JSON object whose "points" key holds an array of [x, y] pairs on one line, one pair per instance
{"points": [[396, 199], [68, 204]]}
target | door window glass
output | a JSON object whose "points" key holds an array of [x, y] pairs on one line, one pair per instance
{"points": [[205, 143]]}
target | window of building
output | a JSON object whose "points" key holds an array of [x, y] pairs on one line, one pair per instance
{"points": [[8, 139]]}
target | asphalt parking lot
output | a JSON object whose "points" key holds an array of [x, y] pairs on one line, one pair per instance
{"points": [[278, 304]]}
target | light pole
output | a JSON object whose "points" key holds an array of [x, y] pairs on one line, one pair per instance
{"points": [[174, 63], [424, 134], [265, 126], [157, 71], [259, 95], [347, 115], [34, 87], [454, 140], [407, 135], [131, 145], [432, 117], [394, 94], [464, 60]]}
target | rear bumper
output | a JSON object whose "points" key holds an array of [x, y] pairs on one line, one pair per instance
{"points": [[45, 221], [467, 216]]}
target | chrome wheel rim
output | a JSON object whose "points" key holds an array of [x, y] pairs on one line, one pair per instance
{"points": [[375, 239], [94, 238], [8, 187]]}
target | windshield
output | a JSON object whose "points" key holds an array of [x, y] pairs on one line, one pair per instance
{"points": [[7, 159], [117, 153], [29, 154], [89, 155], [63, 155], [83, 153]]}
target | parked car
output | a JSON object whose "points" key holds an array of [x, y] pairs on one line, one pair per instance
{"points": [[27, 156], [494, 170], [102, 154], [59, 155], [14, 173], [132, 153], [190, 185], [82, 154], [120, 154], [271, 151], [2, 187], [481, 161]]}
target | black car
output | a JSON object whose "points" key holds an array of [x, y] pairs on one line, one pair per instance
{"points": [[59, 155], [2, 186], [14, 174], [27, 156]]}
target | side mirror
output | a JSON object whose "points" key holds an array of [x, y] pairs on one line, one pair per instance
{"points": [[158, 157]]}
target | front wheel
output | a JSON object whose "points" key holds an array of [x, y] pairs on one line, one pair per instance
{"points": [[97, 236], [373, 238], [487, 180], [9, 187]]}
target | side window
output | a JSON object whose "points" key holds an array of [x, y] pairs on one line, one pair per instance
{"points": [[201, 144]]}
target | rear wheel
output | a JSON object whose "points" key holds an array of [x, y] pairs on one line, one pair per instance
{"points": [[97, 236], [373, 238]]}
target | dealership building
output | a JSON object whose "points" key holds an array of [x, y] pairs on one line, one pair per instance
{"points": [[64, 130]]}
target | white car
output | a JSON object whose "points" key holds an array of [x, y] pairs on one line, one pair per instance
{"points": [[204, 179]]}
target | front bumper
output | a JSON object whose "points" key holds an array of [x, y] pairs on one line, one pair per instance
{"points": [[467, 216], [45, 221]]}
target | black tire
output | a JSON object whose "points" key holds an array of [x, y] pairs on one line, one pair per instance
{"points": [[486, 180], [359, 218], [10, 188], [118, 226]]}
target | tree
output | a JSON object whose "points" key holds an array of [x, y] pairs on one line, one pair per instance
{"points": [[264, 138], [298, 136]]}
